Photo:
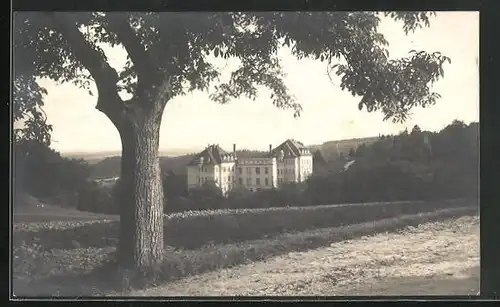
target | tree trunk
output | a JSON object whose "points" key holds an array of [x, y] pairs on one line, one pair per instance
{"points": [[141, 197]]}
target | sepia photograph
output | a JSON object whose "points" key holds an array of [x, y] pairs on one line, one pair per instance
{"points": [[245, 154]]}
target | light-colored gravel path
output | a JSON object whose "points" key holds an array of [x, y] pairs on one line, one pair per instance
{"points": [[439, 258]]}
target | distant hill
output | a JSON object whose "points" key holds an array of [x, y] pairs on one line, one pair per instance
{"points": [[95, 157], [329, 149], [106, 165], [110, 167], [89, 157]]}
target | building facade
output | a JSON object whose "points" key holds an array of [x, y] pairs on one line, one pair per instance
{"points": [[289, 162]]}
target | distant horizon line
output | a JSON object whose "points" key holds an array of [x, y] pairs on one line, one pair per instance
{"points": [[185, 151], [181, 151]]}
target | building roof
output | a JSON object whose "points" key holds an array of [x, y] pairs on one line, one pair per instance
{"points": [[319, 157], [250, 154], [213, 154], [292, 148]]}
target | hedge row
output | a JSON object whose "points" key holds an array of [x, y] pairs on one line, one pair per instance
{"points": [[193, 229]]}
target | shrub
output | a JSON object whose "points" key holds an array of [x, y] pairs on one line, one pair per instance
{"points": [[96, 198], [192, 229]]}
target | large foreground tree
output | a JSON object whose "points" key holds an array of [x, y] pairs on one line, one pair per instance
{"points": [[168, 55]]}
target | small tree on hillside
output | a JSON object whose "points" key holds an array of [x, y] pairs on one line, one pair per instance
{"points": [[416, 130], [352, 153], [168, 56]]}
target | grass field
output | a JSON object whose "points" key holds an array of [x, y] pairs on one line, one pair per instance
{"points": [[53, 268]]}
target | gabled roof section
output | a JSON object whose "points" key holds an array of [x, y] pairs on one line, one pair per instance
{"points": [[213, 154], [319, 157], [291, 148], [249, 154]]}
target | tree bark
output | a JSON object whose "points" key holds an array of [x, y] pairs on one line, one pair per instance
{"points": [[141, 198]]}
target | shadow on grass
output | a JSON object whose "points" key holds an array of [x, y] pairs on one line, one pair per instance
{"points": [[109, 280]]}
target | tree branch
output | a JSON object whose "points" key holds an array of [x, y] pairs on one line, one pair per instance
{"points": [[105, 77], [163, 95], [140, 57]]}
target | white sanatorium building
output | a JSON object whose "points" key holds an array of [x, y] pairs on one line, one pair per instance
{"points": [[289, 162]]}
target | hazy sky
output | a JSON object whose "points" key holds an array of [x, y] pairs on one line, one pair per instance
{"points": [[193, 121]]}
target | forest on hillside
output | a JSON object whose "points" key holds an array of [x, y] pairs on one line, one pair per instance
{"points": [[413, 165], [333, 150]]}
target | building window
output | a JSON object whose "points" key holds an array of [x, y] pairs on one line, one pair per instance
{"points": [[232, 169], [266, 170], [223, 169], [240, 180], [257, 181], [257, 170], [240, 171], [228, 178], [266, 180], [249, 181], [249, 170]]}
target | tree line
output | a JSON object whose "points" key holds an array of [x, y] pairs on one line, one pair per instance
{"points": [[419, 165], [416, 165]]}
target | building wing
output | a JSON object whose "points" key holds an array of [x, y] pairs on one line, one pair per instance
{"points": [[291, 148]]}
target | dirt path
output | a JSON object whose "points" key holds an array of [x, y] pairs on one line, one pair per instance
{"points": [[433, 259]]}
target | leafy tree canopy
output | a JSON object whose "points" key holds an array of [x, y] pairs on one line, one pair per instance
{"points": [[67, 47], [27, 110]]}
